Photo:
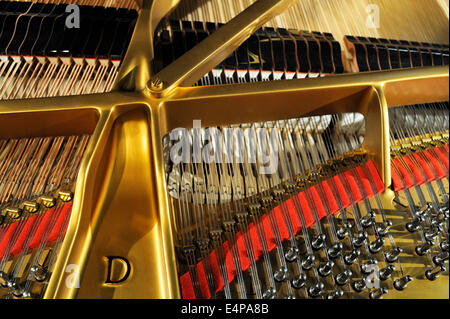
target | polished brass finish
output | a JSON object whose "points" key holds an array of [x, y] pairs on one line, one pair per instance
{"points": [[121, 205], [30, 207]]}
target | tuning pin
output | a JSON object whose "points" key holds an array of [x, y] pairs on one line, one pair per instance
{"points": [[402, 282], [392, 255], [291, 254], [4, 278], [425, 210], [378, 293], [351, 257], [386, 272], [343, 277], [444, 245], [318, 242], [369, 266], [445, 212], [309, 262], [423, 248], [299, 282], [12, 284], [376, 245], [438, 221], [40, 273], [316, 290], [359, 285], [335, 250], [342, 232], [432, 233], [440, 258], [17, 290], [383, 229], [280, 274], [368, 220], [336, 294], [433, 273], [26, 294], [358, 241], [414, 225], [270, 293], [326, 269]]}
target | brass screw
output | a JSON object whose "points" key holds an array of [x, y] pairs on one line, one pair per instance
{"points": [[156, 85]]}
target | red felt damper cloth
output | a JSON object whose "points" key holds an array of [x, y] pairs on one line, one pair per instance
{"points": [[303, 204], [47, 228], [409, 169]]}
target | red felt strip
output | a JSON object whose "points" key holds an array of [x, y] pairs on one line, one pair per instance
{"points": [[396, 178], [438, 166], [423, 171], [376, 178], [405, 175], [443, 155], [425, 167], [289, 207], [416, 171], [39, 235]]}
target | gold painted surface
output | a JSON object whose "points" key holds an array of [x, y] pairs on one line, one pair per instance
{"points": [[121, 205]]}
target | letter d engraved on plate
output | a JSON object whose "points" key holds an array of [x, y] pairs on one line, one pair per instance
{"points": [[118, 270]]}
